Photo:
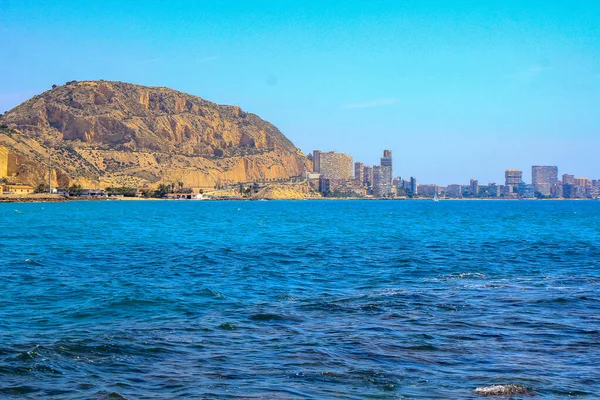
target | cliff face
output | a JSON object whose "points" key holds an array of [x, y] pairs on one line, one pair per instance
{"points": [[113, 133]]}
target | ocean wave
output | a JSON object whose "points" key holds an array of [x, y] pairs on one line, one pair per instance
{"points": [[33, 262], [464, 275]]}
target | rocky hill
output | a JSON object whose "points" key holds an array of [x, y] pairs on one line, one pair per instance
{"points": [[101, 133]]}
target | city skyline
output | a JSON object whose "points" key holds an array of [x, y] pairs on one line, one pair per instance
{"points": [[510, 84], [512, 176], [336, 174]]}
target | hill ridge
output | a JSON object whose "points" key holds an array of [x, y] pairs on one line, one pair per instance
{"points": [[108, 132]]}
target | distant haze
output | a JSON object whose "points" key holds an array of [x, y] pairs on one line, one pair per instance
{"points": [[457, 90]]}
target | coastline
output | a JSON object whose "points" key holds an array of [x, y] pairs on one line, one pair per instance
{"points": [[46, 198], [32, 198]]}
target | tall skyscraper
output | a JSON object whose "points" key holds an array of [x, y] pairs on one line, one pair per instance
{"points": [[333, 165], [414, 186], [377, 178], [474, 186], [543, 178], [386, 173], [3, 162], [368, 176], [359, 172], [513, 177], [317, 161]]}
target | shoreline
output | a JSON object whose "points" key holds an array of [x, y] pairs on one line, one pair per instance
{"points": [[45, 198]]}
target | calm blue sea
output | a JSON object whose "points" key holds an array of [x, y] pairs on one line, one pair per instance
{"points": [[305, 299]]}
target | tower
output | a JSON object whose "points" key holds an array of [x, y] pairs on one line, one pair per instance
{"points": [[544, 178], [317, 161], [386, 173], [359, 172]]}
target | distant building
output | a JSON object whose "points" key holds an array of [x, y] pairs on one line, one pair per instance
{"points": [[17, 189], [399, 187], [359, 172], [427, 190], [333, 165], [346, 187], [543, 178], [368, 176], [396, 184], [581, 182], [528, 192], [382, 183], [386, 173], [317, 161], [377, 178], [556, 191], [324, 185], [414, 186], [474, 187], [454, 191], [494, 190], [594, 190], [513, 179], [92, 193], [568, 179]]}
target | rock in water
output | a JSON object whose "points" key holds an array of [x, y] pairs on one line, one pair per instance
{"points": [[502, 390], [112, 133]]}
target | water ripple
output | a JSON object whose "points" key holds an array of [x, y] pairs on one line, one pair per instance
{"points": [[300, 300]]}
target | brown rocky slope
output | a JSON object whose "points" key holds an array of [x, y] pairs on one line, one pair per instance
{"points": [[101, 133]]}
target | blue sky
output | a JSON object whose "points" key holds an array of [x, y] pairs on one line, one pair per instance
{"points": [[457, 89]]}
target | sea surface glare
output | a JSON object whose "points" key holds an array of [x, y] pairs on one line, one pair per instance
{"points": [[306, 299]]}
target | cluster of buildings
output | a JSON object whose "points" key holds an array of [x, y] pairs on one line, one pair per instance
{"points": [[545, 183], [335, 173]]}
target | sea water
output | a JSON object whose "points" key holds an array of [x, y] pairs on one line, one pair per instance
{"points": [[305, 299]]}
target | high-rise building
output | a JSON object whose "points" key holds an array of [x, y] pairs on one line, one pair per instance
{"points": [[513, 179], [333, 165], [474, 186], [368, 176], [494, 190], [543, 178], [359, 172], [3, 162], [324, 184], [427, 190], [454, 191], [581, 182], [414, 186], [317, 161], [386, 173], [568, 190], [557, 190], [568, 179], [377, 178]]}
